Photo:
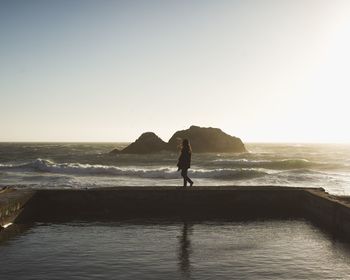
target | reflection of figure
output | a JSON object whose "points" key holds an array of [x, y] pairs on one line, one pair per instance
{"points": [[185, 250], [184, 162]]}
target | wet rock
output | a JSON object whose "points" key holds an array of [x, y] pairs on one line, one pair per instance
{"points": [[115, 151], [202, 139], [208, 140], [148, 142]]}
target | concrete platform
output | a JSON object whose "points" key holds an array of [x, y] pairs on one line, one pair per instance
{"points": [[199, 203], [12, 203]]}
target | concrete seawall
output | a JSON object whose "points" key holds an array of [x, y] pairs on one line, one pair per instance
{"points": [[132, 202], [236, 203], [330, 212], [12, 204]]}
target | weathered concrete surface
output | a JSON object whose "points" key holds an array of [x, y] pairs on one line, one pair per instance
{"points": [[137, 202], [236, 203], [11, 204], [328, 211]]}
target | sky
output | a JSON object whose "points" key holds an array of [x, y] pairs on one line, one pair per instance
{"points": [[262, 70]]}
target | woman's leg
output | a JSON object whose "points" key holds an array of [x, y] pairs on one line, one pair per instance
{"points": [[186, 178], [190, 181], [184, 175]]}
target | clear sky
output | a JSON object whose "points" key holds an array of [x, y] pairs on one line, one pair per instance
{"points": [[264, 70]]}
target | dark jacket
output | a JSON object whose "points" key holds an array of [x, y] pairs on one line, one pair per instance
{"points": [[184, 160]]}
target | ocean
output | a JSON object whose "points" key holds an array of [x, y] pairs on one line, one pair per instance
{"points": [[89, 165]]}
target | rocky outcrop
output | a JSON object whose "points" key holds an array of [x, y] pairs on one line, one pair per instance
{"points": [[148, 142], [207, 140], [115, 151], [202, 139]]}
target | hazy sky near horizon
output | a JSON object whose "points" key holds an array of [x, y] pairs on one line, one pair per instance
{"points": [[263, 70]]}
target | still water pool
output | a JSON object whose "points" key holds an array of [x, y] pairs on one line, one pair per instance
{"points": [[176, 250]]}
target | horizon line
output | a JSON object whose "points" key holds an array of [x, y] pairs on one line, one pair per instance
{"points": [[128, 142]]}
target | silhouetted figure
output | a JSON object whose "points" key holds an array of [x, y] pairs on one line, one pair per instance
{"points": [[185, 250], [184, 162]]}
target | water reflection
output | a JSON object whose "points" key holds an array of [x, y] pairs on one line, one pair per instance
{"points": [[185, 250], [13, 231]]}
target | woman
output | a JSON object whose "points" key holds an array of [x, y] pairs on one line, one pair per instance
{"points": [[184, 162]]}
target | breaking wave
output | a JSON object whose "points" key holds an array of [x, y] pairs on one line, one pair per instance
{"points": [[43, 165], [283, 164]]}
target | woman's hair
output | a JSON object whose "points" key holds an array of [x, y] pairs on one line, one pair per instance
{"points": [[186, 145]]}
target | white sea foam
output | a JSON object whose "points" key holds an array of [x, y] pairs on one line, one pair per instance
{"points": [[274, 164], [90, 165], [44, 165]]}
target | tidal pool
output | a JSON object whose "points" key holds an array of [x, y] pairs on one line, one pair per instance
{"points": [[174, 250]]}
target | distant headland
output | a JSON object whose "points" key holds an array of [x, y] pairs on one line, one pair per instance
{"points": [[202, 139]]}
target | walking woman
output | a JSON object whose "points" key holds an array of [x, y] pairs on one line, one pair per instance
{"points": [[184, 162]]}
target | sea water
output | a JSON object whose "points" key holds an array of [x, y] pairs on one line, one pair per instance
{"points": [[174, 250], [87, 165]]}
